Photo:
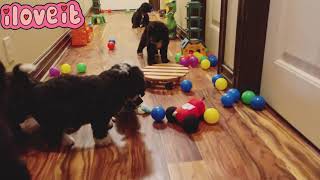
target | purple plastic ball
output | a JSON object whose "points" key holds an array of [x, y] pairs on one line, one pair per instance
{"points": [[184, 61], [193, 61], [54, 72]]}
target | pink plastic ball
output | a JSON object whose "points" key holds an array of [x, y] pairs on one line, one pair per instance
{"points": [[184, 61], [193, 61]]}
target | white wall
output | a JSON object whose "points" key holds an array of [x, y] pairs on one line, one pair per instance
{"points": [[29, 45], [121, 4]]}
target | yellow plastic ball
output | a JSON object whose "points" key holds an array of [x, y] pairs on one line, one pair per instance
{"points": [[197, 55], [65, 68], [211, 116], [205, 64], [221, 84]]}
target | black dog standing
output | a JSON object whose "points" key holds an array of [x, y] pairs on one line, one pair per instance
{"points": [[155, 37], [10, 164], [140, 18], [62, 105]]}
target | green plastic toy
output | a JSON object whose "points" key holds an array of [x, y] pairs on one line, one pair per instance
{"points": [[171, 21]]}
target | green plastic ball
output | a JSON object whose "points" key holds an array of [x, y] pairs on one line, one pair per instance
{"points": [[203, 58], [247, 97], [81, 68], [178, 56]]}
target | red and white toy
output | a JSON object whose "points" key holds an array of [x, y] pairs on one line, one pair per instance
{"points": [[188, 116]]}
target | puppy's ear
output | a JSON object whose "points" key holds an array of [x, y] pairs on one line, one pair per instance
{"points": [[137, 77]]}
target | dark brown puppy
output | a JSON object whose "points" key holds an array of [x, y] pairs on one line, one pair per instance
{"points": [[140, 18], [155, 37]]}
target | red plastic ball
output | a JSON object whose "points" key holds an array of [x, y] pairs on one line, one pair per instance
{"points": [[111, 45]]}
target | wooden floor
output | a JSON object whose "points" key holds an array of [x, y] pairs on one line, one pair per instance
{"points": [[244, 145]]}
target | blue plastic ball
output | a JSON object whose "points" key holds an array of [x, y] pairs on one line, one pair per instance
{"points": [[258, 103], [235, 93], [215, 78], [227, 100], [158, 113], [213, 60], [186, 85]]}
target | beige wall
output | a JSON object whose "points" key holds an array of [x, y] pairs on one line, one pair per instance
{"points": [[181, 13], [29, 45]]}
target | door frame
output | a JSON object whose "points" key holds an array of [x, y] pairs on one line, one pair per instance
{"points": [[250, 44]]}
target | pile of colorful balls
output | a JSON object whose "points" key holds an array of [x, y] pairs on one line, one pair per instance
{"points": [[195, 59]]}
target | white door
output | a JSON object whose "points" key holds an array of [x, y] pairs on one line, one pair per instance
{"points": [[231, 33], [291, 72], [213, 25], [121, 4]]}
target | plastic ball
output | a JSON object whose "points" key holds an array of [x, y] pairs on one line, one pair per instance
{"points": [[112, 40], [235, 93], [186, 85], [158, 113], [193, 61], [178, 56], [65, 68], [111, 45], [211, 116], [54, 72], [247, 97], [184, 61], [258, 103], [109, 11], [197, 55], [203, 58], [227, 100], [215, 78], [213, 60], [81, 68], [221, 84], [205, 64]]}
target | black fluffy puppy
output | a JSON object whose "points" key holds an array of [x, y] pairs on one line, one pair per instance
{"points": [[140, 18], [10, 164], [155, 37], [64, 104]]}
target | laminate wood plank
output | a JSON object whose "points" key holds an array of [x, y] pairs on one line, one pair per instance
{"points": [[195, 170]]}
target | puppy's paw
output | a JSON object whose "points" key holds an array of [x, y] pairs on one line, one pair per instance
{"points": [[140, 54], [103, 142], [67, 140]]}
